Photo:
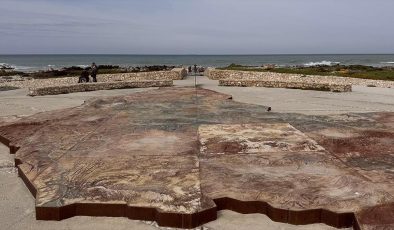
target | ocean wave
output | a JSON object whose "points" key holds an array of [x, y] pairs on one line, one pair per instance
{"points": [[387, 62], [321, 63], [5, 66], [83, 66], [14, 67], [17, 67]]}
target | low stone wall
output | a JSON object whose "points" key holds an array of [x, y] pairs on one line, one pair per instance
{"points": [[54, 90], [174, 74], [215, 74], [181, 73], [289, 85]]}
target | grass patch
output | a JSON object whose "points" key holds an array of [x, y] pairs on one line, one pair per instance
{"points": [[354, 71]]}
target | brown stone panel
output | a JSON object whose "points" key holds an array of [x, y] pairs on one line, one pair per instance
{"points": [[367, 152], [167, 183], [384, 120], [164, 189], [13, 135], [295, 181], [377, 218], [362, 142], [116, 141], [253, 138], [177, 155]]}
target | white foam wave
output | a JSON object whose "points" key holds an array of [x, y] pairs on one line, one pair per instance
{"points": [[83, 66], [321, 63], [388, 62], [5, 65], [17, 67]]}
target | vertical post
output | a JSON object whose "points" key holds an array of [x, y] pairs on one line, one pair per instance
{"points": [[195, 75]]}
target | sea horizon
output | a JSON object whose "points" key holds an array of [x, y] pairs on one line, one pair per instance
{"points": [[34, 62]]}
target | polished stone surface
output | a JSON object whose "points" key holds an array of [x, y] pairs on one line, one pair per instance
{"points": [[177, 155]]}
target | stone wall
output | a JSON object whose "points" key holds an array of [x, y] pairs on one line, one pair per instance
{"points": [[277, 80], [54, 90], [215, 74], [175, 74], [289, 85]]}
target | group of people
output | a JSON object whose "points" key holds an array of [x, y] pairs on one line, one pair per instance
{"points": [[92, 71], [195, 69]]}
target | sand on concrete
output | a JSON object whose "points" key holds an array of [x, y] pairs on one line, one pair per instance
{"points": [[361, 100]]}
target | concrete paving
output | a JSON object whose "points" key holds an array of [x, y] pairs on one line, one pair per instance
{"points": [[17, 204], [17, 103], [361, 100]]}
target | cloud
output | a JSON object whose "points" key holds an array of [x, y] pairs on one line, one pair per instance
{"points": [[196, 26]]}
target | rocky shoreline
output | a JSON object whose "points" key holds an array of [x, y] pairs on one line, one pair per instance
{"points": [[7, 70]]}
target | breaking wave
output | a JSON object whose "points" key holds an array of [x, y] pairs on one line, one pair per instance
{"points": [[5, 65], [83, 66], [14, 67], [388, 62], [17, 67], [321, 63]]}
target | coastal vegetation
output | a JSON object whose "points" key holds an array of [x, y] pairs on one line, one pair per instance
{"points": [[354, 71], [76, 71]]}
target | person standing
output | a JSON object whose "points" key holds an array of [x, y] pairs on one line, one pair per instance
{"points": [[195, 69], [93, 71]]}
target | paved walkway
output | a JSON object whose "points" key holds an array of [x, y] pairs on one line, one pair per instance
{"points": [[361, 100]]}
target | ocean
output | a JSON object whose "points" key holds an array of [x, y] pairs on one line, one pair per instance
{"points": [[43, 62]]}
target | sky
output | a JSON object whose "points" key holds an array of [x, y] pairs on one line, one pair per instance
{"points": [[196, 26]]}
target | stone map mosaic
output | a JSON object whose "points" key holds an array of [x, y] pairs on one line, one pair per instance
{"points": [[178, 155]]}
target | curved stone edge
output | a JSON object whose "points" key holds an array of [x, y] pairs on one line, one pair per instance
{"points": [[179, 220], [6, 142], [163, 219], [295, 217]]}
